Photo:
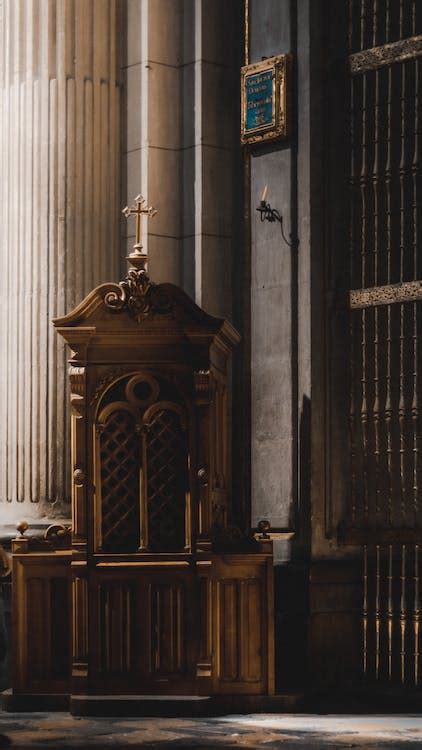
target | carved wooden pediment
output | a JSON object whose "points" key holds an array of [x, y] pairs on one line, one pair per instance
{"points": [[143, 302]]}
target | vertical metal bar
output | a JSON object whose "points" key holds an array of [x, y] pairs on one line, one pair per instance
{"points": [[402, 173], [364, 419], [377, 612], [365, 610], [402, 420], [351, 29], [388, 401], [376, 420], [375, 11], [387, 21], [352, 318], [415, 404], [364, 404], [390, 611], [352, 426], [403, 614], [416, 617], [363, 180], [375, 186], [362, 24]]}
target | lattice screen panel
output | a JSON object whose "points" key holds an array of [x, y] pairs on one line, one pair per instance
{"points": [[120, 463], [167, 482], [385, 260]]}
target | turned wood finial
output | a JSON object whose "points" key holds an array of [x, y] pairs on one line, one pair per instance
{"points": [[137, 257], [264, 526], [21, 542], [22, 526]]}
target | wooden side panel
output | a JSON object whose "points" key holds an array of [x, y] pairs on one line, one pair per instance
{"points": [[243, 625], [42, 627]]}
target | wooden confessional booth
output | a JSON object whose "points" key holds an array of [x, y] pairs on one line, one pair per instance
{"points": [[164, 596]]}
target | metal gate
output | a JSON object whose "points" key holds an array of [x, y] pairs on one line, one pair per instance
{"points": [[385, 79]]}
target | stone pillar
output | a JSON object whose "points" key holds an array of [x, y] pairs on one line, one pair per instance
{"points": [[213, 156], [273, 302], [59, 202], [180, 145], [152, 156]]}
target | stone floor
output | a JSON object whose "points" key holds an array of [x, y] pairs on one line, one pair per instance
{"points": [[59, 730]]}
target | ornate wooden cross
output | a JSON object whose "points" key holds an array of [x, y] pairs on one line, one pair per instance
{"points": [[138, 258]]}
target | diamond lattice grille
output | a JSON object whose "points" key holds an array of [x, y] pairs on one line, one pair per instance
{"points": [[167, 482], [120, 461]]}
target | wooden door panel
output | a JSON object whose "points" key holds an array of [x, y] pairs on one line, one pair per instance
{"points": [[142, 631]]}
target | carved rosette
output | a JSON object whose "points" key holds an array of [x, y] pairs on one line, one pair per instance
{"points": [[138, 295]]}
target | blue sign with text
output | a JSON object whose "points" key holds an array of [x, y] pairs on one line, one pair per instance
{"points": [[259, 100]]}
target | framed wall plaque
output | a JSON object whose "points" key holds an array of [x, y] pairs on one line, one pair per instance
{"points": [[265, 99]]}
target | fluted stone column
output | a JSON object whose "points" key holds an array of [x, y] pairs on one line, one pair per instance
{"points": [[59, 202]]}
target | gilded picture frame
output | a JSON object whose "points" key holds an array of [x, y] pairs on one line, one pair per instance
{"points": [[265, 100]]}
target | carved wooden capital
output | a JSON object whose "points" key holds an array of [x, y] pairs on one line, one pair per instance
{"points": [[77, 378], [202, 386]]}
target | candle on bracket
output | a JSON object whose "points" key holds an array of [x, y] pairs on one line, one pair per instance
{"points": [[264, 194]]}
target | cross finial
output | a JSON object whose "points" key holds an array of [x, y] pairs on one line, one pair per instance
{"points": [[137, 257]]}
